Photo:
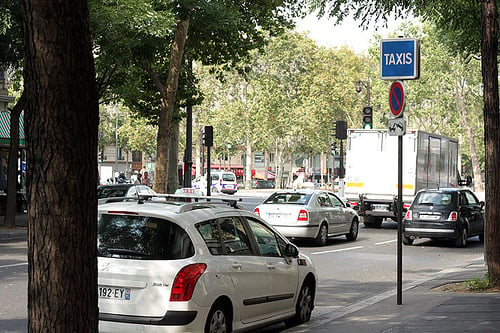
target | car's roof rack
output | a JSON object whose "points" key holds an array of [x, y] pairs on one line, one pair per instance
{"points": [[188, 202]]}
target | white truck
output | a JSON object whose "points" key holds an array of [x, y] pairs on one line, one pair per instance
{"points": [[371, 169]]}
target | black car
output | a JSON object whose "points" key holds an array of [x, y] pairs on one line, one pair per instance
{"points": [[453, 213], [261, 183]]}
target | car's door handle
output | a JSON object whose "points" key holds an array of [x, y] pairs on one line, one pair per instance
{"points": [[270, 266], [236, 265]]}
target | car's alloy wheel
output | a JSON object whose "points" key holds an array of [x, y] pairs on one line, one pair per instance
{"points": [[407, 240], [217, 320], [461, 241], [304, 306], [322, 237], [353, 233]]}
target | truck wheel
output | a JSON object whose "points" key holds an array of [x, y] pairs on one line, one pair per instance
{"points": [[461, 241], [353, 232], [322, 237], [372, 222]]}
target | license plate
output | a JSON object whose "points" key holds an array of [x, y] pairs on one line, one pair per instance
{"points": [[430, 217], [115, 293], [383, 208], [229, 186]]}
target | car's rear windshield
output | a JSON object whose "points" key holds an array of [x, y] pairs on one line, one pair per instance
{"points": [[433, 198], [141, 237], [228, 177], [111, 192], [289, 198]]}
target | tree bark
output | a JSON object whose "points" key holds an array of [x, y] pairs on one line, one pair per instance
{"points": [[489, 53], [11, 207], [61, 117], [173, 154], [168, 105]]}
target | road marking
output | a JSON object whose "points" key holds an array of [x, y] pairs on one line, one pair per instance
{"points": [[338, 250], [386, 242], [14, 265]]}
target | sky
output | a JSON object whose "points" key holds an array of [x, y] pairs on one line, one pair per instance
{"points": [[325, 33]]}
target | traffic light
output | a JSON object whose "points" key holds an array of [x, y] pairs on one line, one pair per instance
{"points": [[341, 129], [208, 136], [100, 157], [333, 147], [367, 117]]}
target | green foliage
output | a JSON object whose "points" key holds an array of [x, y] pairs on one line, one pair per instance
{"points": [[478, 284]]}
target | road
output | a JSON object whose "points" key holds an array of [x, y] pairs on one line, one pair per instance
{"points": [[350, 273]]}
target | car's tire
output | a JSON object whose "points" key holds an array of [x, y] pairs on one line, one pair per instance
{"points": [[322, 236], [353, 232], [304, 305], [407, 240], [461, 241], [218, 320], [372, 222]]}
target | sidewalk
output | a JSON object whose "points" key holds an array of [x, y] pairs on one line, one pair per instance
{"points": [[423, 310]]}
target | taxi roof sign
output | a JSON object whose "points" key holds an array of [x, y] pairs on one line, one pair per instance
{"points": [[400, 59]]}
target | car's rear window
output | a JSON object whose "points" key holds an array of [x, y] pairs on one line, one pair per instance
{"points": [[434, 199], [228, 177], [289, 198], [111, 192], [141, 237]]}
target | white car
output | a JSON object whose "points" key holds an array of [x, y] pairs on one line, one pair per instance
{"points": [[310, 214], [222, 182], [173, 266]]}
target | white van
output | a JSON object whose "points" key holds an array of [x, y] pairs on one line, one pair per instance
{"points": [[222, 182]]}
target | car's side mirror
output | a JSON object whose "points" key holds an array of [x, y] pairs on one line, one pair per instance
{"points": [[481, 203], [291, 250]]}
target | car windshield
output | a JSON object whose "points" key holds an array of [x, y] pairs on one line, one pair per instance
{"points": [[141, 237], [289, 198], [433, 199]]}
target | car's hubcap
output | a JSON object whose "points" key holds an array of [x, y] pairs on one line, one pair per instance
{"points": [[305, 304], [218, 322]]}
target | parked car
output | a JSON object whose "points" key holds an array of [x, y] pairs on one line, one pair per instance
{"points": [[262, 184], [123, 190], [453, 213], [172, 266], [311, 214], [222, 182]]}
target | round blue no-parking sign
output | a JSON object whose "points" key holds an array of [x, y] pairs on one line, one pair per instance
{"points": [[397, 98]]}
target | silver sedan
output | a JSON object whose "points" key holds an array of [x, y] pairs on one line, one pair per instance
{"points": [[311, 214]]}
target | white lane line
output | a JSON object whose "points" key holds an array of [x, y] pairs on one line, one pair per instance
{"points": [[386, 242], [338, 250], [14, 265]]}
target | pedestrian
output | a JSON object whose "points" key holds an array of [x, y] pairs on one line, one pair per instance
{"points": [[139, 179], [146, 180]]}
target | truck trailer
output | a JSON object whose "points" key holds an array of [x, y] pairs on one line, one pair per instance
{"points": [[371, 170]]}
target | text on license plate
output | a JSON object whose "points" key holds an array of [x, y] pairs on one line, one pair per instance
{"points": [[381, 207], [115, 293]]}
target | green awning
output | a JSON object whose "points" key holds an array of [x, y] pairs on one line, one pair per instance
{"points": [[5, 128]]}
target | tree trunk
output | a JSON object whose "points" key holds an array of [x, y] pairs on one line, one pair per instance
{"points": [[10, 208], [168, 105], [61, 117], [173, 153], [489, 53], [464, 119]]}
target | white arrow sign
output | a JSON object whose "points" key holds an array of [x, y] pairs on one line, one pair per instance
{"points": [[397, 127]]}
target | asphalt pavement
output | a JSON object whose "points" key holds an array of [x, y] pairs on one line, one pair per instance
{"points": [[423, 309]]}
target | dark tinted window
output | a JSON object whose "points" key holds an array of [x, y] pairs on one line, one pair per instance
{"points": [[112, 191], [268, 243], [228, 177], [141, 237], [289, 198], [230, 231]]}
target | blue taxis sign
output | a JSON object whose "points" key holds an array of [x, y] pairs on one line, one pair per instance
{"points": [[400, 59]]}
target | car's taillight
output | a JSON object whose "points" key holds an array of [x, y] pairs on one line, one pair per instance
{"points": [[303, 216], [256, 211], [408, 215], [184, 282], [353, 203], [406, 205], [453, 216]]}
